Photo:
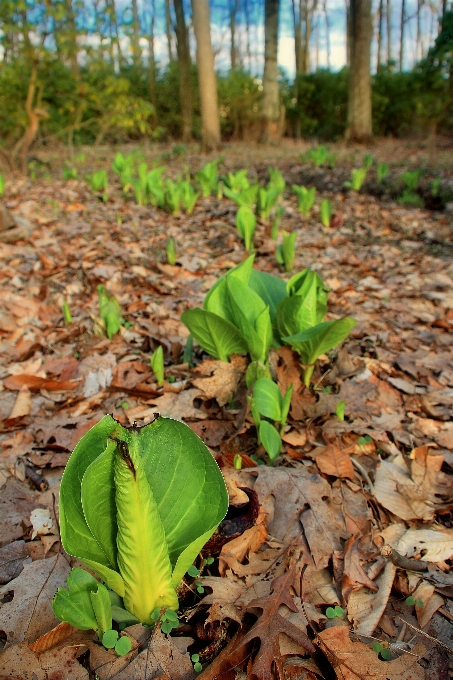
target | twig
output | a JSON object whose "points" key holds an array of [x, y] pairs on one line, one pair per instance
{"points": [[421, 632], [364, 474], [402, 561]]}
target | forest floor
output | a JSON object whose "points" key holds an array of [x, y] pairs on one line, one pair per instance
{"points": [[340, 489]]}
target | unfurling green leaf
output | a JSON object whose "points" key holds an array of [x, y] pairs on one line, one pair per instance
{"points": [[246, 225], [133, 509], [109, 311], [270, 439], [339, 411], [326, 212]]}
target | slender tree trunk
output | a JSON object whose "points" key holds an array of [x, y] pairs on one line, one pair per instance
{"points": [[247, 28], [152, 62], [71, 29], [379, 37], [136, 51], [359, 102], [210, 121], [114, 33], [403, 21], [168, 31], [270, 109], [388, 16], [184, 64], [233, 9], [348, 34], [418, 41], [326, 15]]}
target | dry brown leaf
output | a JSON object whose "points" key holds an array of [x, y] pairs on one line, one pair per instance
{"points": [[54, 637], [354, 576], [33, 382], [12, 558], [366, 608], [437, 546], [431, 602], [295, 437], [29, 614], [234, 552], [224, 378], [395, 489], [335, 462], [20, 662], [354, 660], [22, 405]]}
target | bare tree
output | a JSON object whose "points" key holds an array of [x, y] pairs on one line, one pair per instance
{"points": [[389, 32], [210, 121], [233, 7], [359, 100], [303, 12], [136, 51], [380, 30], [270, 108], [184, 64]]}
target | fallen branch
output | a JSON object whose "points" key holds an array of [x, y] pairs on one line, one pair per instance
{"points": [[401, 561]]}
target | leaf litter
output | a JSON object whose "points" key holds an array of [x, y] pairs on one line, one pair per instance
{"points": [[340, 489]]}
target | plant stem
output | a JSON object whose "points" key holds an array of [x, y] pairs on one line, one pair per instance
{"points": [[308, 372]]}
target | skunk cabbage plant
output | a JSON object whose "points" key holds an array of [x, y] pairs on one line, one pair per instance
{"points": [[137, 505]]}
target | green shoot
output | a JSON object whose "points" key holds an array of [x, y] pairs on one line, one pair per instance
{"points": [[267, 198], [306, 198], [434, 186], [246, 225], [171, 251], [320, 156], [69, 173], [195, 658], [383, 651], [189, 196], [276, 223], [208, 179], [157, 364], [236, 181], [276, 180], [358, 176], [109, 311], [326, 212], [2, 185], [237, 462], [286, 251], [382, 171], [410, 179], [368, 161], [66, 313]]}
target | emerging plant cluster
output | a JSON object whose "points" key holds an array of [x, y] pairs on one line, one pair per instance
{"points": [[249, 311]]}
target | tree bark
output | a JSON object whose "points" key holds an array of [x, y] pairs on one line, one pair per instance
{"points": [[270, 108], [210, 121], [168, 31], [359, 101], [136, 51], [184, 64], [403, 21], [233, 9], [380, 30], [388, 16]]}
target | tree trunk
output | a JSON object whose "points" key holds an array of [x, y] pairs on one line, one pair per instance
{"points": [[359, 101], [233, 9], [388, 16], [247, 28], [403, 21], [348, 34], [380, 30], [184, 64], [152, 62], [168, 31], [326, 14], [136, 51], [210, 122], [71, 29], [270, 108]]}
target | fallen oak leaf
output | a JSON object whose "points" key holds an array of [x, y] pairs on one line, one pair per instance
{"points": [[267, 630], [335, 462], [354, 577], [34, 382]]}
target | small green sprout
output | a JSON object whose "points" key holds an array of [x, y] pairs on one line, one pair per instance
{"points": [[339, 411], [411, 601], [188, 350], [364, 440], [122, 645], [383, 651], [368, 161], [157, 364], [326, 212], [286, 251], [208, 560], [193, 571], [170, 251], [434, 186], [66, 313], [237, 461], [334, 612], [195, 658], [321, 155], [382, 171], [246, 225], [306, 198], [109, 311], [358, 176], [69, 173], [2, 185]]}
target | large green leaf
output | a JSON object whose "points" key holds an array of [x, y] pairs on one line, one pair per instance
{"points": [[296, 313], [318, 340], [251, 316], [76, 537], [215, 335], [270, 439], [271, 289], [268, 398], [242, 271], [186, 483]]}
